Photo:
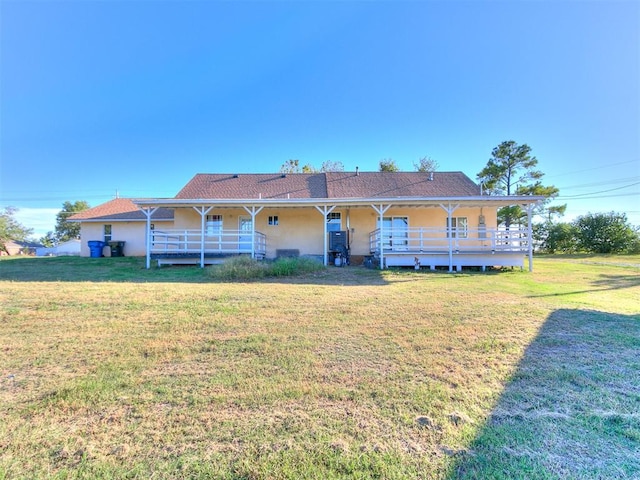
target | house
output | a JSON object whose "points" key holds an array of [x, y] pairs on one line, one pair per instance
{"points": [[18, 247], [119, 220], [69, 248], [426, 220]]}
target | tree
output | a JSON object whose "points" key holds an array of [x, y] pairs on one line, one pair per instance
{"points": [[11, 229], [556, 237], [388, 165], [332, 166], [49, 240], [426, 164], [293, 166], [511, 170], [67, 230], [605, 233]]}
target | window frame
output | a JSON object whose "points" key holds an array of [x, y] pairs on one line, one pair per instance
{"points": [[331, 224], [459, 227], [107, 232], [213, 225]]}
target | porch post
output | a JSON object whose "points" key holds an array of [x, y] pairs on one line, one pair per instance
{"points": [[530, 235], [381, 211], [148, 211], [325, 210], [450, 209], [253, 212], [203, 211]]}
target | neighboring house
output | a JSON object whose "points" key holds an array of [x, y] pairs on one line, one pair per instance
{"points": [[119, 220], [418, 219], [68, 248], [17, 247]]}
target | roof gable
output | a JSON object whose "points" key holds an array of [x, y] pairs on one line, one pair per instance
{"points": [[329, 185], [275, 185], [399, 185], [119, 209]]}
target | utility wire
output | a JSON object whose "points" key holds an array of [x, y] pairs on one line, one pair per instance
{"points": [[637, 162], [606, 182], [602, 191]]}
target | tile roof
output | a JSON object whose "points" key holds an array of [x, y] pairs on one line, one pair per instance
{"points": [[122, 209], [329, 185]]}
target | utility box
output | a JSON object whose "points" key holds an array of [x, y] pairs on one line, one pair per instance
{"points": [[338, 241], [117, 249]]}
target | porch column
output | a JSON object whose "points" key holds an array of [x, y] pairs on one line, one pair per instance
{"points": [[530, 235], [253, 211], [380, 210], [148, 211], [325, 210], [450, 209], [203, 211]]}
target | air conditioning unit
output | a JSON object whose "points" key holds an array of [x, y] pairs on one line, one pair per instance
{"points": [[338, 241]]}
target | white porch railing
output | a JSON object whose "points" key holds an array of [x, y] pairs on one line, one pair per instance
{"points": [[175, 242], [438, 240]]}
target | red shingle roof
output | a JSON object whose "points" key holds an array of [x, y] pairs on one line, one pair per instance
{"points": [[122, 209], [329, 185]]}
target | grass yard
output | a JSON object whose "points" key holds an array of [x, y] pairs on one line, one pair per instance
{"points": [[112, 371]]}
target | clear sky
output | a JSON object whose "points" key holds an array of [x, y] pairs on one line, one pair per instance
{"points": [[136, 97]]}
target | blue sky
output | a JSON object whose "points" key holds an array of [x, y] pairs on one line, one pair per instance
{"points": [[138, 96]]}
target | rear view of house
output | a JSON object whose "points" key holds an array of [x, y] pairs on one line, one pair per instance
{"points": [[420, 219]]}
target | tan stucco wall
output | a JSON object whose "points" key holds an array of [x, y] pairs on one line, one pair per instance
{"points": [[302, 228], [132, 233]]}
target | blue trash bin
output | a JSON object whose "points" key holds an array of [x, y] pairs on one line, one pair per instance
{"points": [[95, 248]]}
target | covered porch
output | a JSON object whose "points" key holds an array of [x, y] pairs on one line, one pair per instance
{"points": [[177, 246], [389, 231], [450, 247]]}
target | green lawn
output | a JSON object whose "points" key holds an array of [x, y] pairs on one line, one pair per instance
{"points": [[109, 370]]}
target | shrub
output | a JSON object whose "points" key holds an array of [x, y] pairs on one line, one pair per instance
{"points": [[246, 268], [606, 233]]}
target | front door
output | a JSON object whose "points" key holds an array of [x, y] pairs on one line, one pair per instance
{"points": [[245, 227]]}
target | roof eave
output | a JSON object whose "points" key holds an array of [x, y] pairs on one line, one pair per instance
{"points": [[292, 202]]}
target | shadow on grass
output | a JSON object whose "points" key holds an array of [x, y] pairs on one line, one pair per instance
{"points": [[132, 270], [604, 282], [571, 409]]}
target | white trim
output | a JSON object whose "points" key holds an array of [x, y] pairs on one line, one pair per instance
{"points": [[363, 202], [381, 210], [148, 212], [325, 210]]}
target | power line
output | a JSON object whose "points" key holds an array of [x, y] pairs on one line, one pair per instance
{"points": [[602, 191], [594, 168], [600, 196], [606, 182]]}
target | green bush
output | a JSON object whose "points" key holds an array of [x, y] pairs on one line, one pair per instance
{"points": [[246, 268]]}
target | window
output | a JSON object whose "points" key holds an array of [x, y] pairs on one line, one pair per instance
{"points": [[213, 225], [395, 231], [458, 227], [273, 220], [334, 222], [107, 233]]}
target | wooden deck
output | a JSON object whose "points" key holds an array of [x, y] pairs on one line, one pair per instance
{"points": [[452, 248]]}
